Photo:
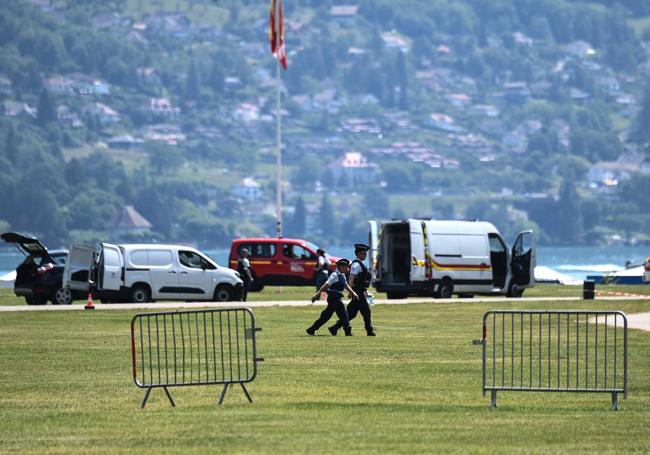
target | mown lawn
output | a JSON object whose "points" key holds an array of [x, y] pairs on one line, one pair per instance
{"points": [[7, 296], [66, 387]]}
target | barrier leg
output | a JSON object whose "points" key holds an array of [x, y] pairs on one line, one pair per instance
{"points": [[169, 395], [146, 397], [493, 398], [614, 401], [250, 400], [223, 393]]}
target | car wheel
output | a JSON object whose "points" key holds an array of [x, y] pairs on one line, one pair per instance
{"points": [[140, 294], [35, 300], [256, 287], [445, 289], [223, 293], [62, 296]]}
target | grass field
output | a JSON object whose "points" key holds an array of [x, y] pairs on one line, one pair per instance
{"points": [[304, 293], [66, 387]]}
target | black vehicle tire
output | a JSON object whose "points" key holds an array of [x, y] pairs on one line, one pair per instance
{"points": [[514, 291], [445, 289], [396, 295], [62, 296], [140, 293], [35, 300], [223, 293], [255, 287]]}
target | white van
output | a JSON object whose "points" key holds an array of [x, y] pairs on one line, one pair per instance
{"points": [[441, 258], [143, 273]]}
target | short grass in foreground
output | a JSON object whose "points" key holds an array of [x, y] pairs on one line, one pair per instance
{"points": [[66, 387], [272, 293]]}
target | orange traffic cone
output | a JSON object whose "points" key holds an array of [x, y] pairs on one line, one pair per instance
{"points": [[89, 305]]}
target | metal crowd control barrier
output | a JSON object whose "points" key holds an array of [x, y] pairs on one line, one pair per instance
{"points": [[554, 351], [189, 348]]}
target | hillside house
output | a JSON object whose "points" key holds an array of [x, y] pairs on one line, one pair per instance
{"points": [[516, 92], [163, 107], [354, 171], [610, 173], [246, 112], [6, 86], [103, 113], [580, 49], [124, 142], [131, 223], [88, 85], [248, 189], [344, 14], [17, 109], [394, 40], [515, 141], [444, 122], [59, 86], [164, 132], [68, 118], [458, 99]]}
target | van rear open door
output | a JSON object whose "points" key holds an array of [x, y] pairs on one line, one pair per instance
{"points": [[76, 274], [373, 240], [111, 264], [524, 260], [418, 264]]}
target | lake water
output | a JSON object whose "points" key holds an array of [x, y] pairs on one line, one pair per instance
{"points": [[576, 262]]}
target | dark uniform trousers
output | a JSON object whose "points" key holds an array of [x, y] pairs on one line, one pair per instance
{"points": [[354, 307], [334, 305]]}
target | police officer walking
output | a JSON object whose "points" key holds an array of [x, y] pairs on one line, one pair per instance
{"points": [[334, 286], [360, 282], [244, 269], [321, 269]]}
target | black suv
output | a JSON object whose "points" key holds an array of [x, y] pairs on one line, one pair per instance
{"points": [[39, 277]]}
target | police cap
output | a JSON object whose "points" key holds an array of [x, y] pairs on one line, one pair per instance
{"points": [[360, 247], [342, 262]]}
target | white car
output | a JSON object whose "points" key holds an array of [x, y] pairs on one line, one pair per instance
{"points": [[146, 272]]}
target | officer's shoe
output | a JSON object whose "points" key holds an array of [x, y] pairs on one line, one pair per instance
{"points": [[311, 332], [371, 333], [333, 330], [348, 331]]}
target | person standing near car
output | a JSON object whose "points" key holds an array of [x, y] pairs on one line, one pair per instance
{"points": [[321, 269], [360, 282], [244, 269], [335, 285]]}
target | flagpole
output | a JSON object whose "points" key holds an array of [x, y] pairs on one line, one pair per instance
{"points": [[278, 134]]}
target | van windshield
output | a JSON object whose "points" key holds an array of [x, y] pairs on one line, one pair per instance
{"points": [[311, 246]]}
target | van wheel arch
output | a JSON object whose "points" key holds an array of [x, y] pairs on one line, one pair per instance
{"points": [[445, 288], [140, 293], [223, 293]]}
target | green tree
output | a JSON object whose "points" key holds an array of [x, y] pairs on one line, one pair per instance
{"points": [[298, 223], [642, 124], [193, 82], [164, 157], [10, 149], [327, 218], [46, 111], [568, 217]]}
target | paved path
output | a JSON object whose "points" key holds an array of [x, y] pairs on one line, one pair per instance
{"points": [[175, 305]]}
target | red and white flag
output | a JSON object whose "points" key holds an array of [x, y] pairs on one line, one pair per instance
{"points": [[276, 37]]}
